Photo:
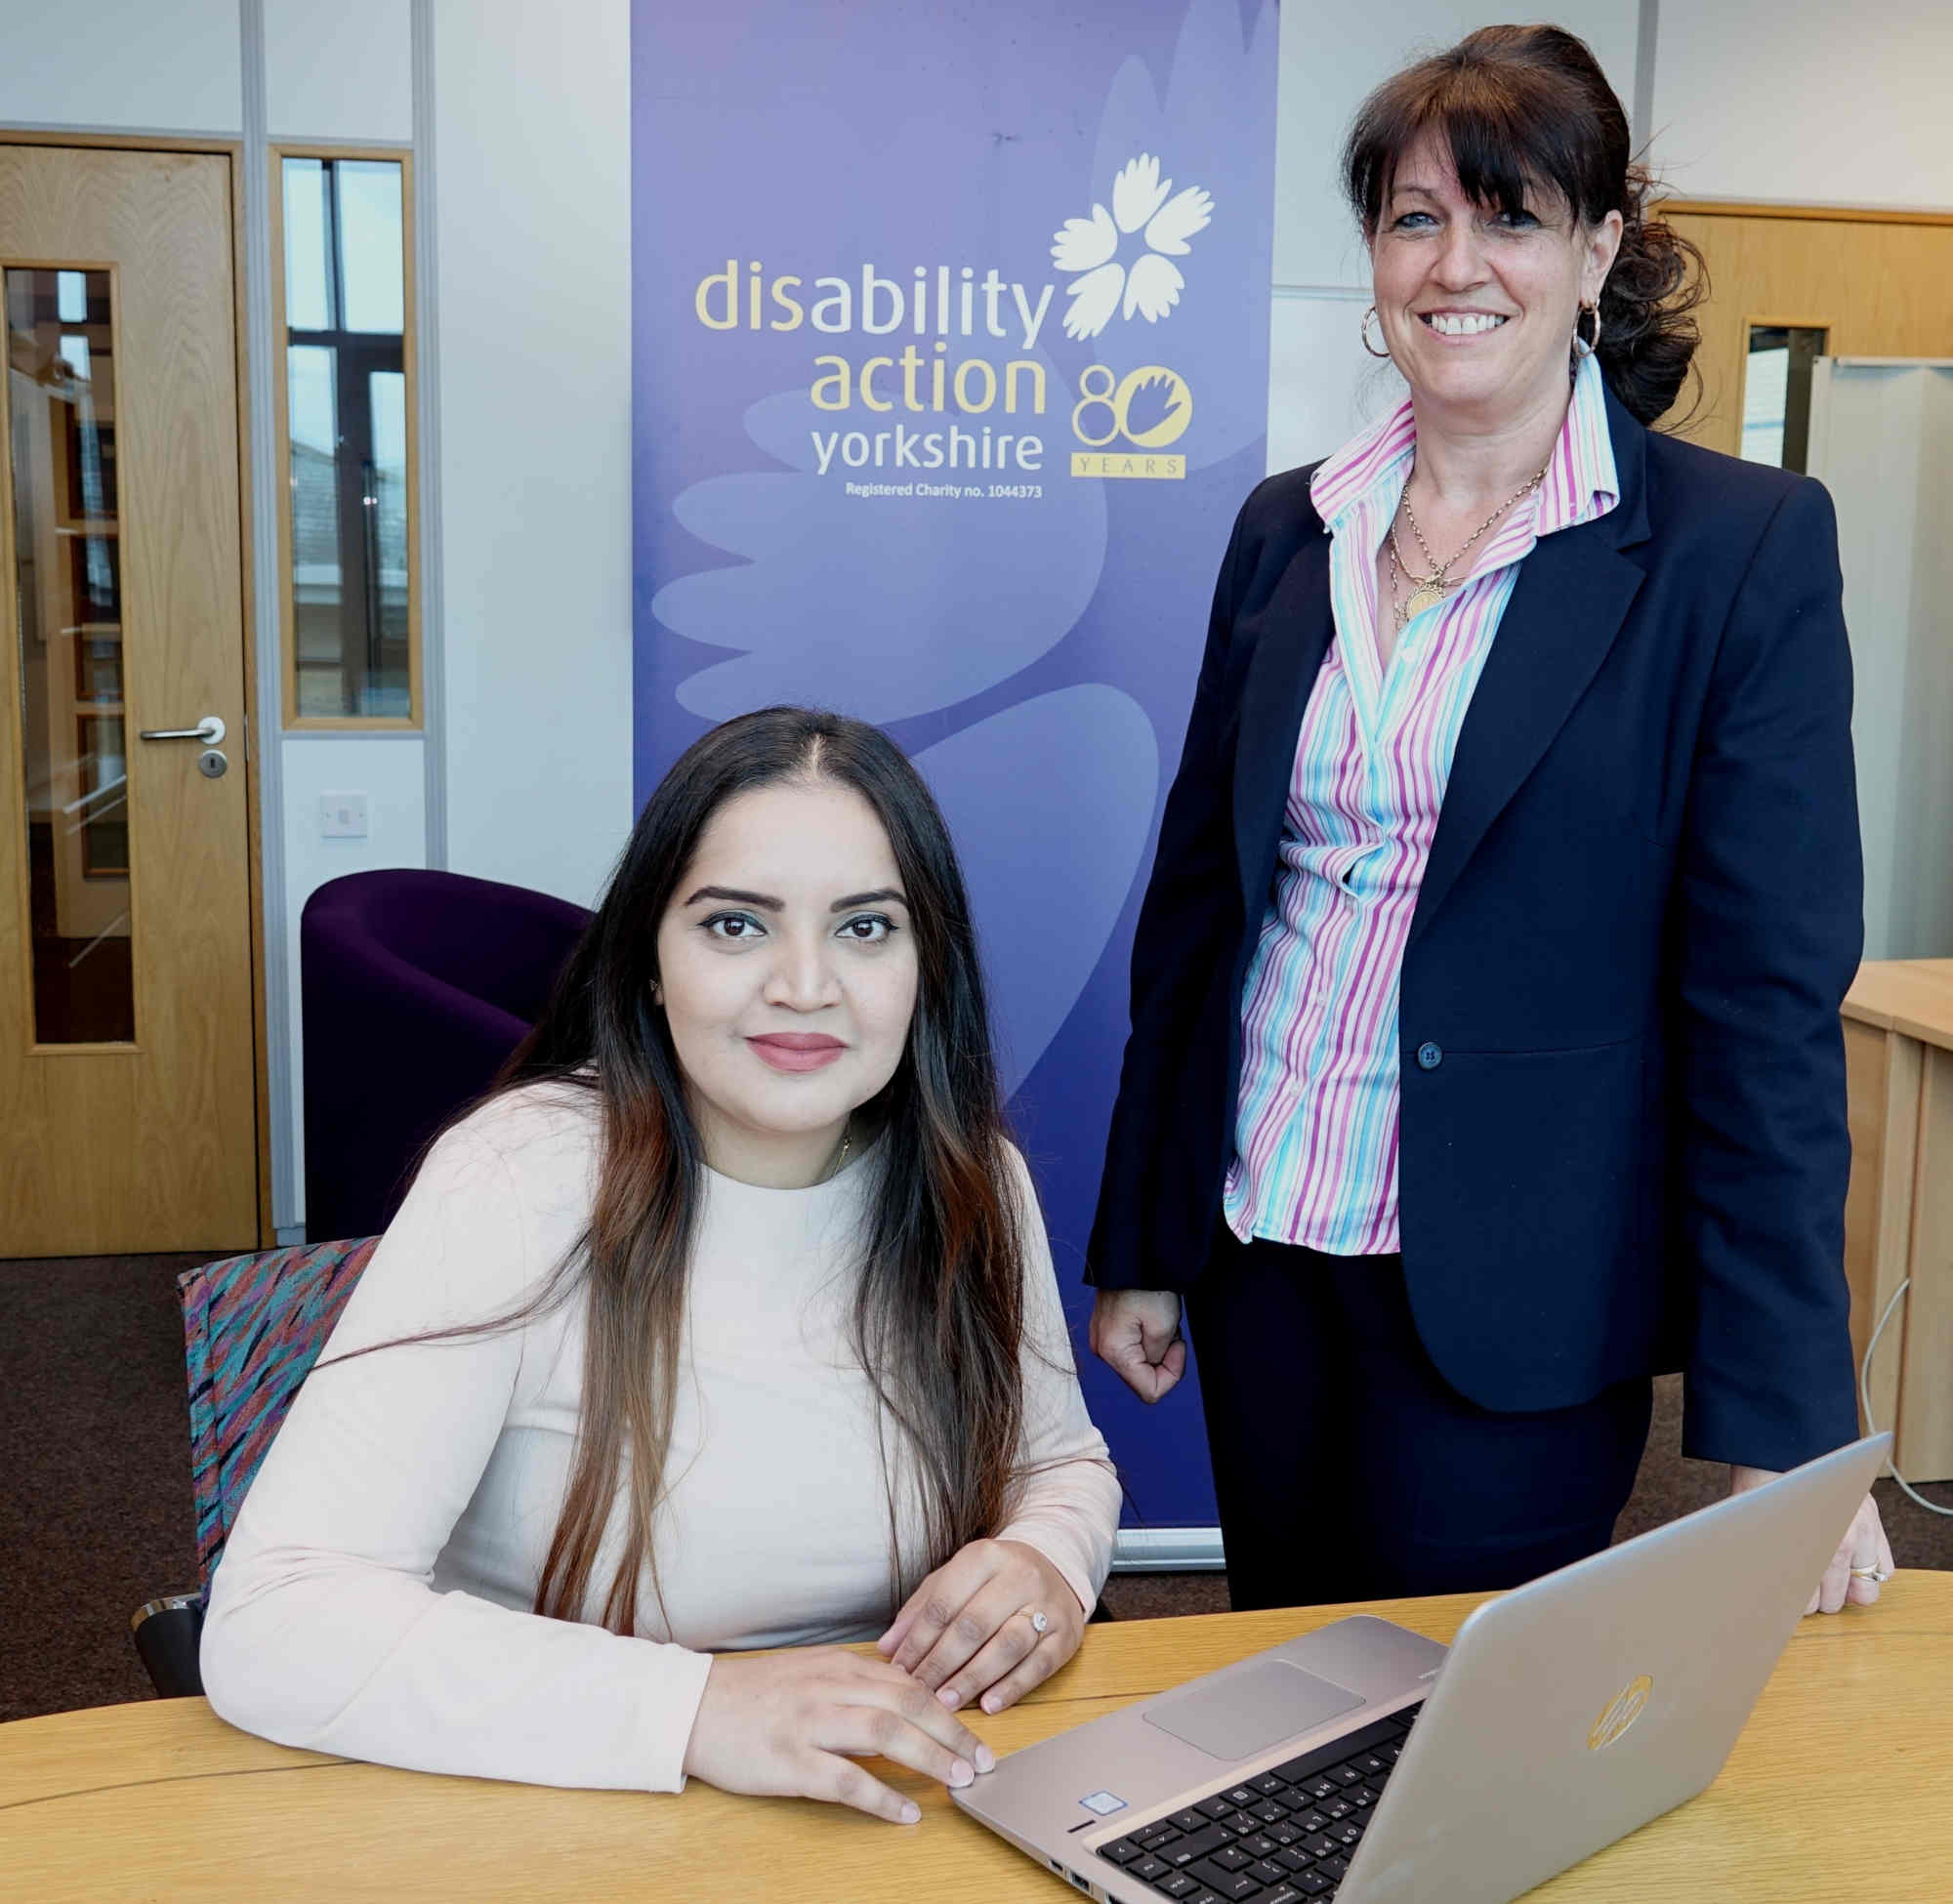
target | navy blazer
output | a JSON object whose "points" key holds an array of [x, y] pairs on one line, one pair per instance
{"points": [[1623, 1138]]}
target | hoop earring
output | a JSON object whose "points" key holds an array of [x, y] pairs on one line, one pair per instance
{"points": [[1582, 347], [1368, 345]]}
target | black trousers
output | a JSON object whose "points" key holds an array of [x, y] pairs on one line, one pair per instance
{"points": [[1349, 1468]]}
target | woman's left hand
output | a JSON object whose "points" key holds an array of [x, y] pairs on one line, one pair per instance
{"points": [[1865, 1546], [966, 1630]]}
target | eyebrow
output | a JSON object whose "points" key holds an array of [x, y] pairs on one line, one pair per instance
{"points": [[734, 896]]}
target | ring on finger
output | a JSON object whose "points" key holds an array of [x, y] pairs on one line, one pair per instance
{"points": [[1039, 1624], [1878, 1576]]}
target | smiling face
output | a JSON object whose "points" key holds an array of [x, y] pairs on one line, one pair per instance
{"points": [[1478, 305], [787, 967]]}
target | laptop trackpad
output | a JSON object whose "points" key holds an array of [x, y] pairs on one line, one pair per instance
{"points": [[1240, 1713]]}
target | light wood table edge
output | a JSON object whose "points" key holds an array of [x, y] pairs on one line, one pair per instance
{"points": [[1844, 1755], [47, 1758]]}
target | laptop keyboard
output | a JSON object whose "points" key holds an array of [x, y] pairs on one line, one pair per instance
{"points": [[1283, 1837]]}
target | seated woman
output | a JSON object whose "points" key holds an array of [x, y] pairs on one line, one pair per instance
{"points": [[727, 1321]]}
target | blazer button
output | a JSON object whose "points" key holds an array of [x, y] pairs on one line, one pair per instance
{"points": [[1429, 1057]]}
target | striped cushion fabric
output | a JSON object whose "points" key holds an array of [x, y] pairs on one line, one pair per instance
{"points": [[253, 1326]]}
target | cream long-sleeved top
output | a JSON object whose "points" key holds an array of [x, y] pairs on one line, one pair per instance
{"points": [[373, 1599]]}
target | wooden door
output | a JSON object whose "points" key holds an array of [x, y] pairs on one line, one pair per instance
{"points": [[127, 1058], [1879, 284]]}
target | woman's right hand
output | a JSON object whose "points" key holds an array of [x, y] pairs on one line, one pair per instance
{"points": [[791, 1726], [1135, 1333]]}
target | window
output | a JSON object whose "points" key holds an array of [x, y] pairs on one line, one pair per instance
{"points": [[348, 532]]}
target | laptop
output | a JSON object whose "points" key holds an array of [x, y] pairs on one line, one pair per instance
{"points": [[1366, 1763]]}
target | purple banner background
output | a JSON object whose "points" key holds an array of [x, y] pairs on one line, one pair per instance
{"points": [[1032, 644]]}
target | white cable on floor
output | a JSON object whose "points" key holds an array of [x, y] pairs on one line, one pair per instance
{"points": [[1866, 1397]]}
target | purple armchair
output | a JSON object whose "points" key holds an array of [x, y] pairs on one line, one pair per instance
{"points": [[416, 986]]}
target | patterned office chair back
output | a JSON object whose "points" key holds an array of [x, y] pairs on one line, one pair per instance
{"points": [[253, 1326]]}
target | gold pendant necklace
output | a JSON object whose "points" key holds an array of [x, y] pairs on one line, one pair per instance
{"points": [[1430, 590], [1426, 591], [1427, 594]]}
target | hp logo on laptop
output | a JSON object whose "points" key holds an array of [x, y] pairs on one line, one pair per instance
{"points": [[1622, 1711]]}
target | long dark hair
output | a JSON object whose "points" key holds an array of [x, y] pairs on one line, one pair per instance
{"points": [[1529, 106], [938, 1313]]}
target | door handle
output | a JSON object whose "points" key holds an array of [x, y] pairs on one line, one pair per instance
{"points": [[209, 730]]}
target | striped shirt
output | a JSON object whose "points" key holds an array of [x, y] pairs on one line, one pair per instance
{"points": [[1315, 1124]]}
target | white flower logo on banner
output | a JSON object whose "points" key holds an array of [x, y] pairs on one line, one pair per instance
{"points": [[1090, 246]]}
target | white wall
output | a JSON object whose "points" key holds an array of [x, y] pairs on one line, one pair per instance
{"points": [[532, 141], [531, 146], [343, 72], [1805, 101], [1321, 387], [155, 66], [338, 71], [388, 769]]}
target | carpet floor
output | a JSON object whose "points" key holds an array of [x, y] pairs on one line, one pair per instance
{"points": [[95, 1514]]}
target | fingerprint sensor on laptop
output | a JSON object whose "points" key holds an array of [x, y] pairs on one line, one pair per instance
{"points": [[1234, 1714]]}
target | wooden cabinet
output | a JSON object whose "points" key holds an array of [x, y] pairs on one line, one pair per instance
{"points": [[1899, 1216]]}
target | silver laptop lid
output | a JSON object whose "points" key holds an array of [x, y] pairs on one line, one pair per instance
{"points": [[1574, 1709], [1537, 1744]]}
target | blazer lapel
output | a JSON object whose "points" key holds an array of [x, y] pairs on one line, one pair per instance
{"points": [[1294, 635], [1566, 610]]}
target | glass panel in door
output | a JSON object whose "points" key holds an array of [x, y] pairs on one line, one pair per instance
{"points": [[61, 394]]}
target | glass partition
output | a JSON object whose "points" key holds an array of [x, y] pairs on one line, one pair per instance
{"points": [[68, 583], [347, 408]]}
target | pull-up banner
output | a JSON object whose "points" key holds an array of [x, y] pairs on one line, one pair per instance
{"points": [[951, 338]]}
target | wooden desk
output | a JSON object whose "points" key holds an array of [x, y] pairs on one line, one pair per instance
{"points": [[1838, 1790], [1898, 1217]]}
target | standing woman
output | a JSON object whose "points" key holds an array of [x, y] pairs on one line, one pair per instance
{"points": [[727, 1321], [1486, 1054]]}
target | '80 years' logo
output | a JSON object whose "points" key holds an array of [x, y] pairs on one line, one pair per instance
{"points": [[1126, 422]]}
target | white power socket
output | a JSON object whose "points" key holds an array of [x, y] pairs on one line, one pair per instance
{"points": [[342, 817]]}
